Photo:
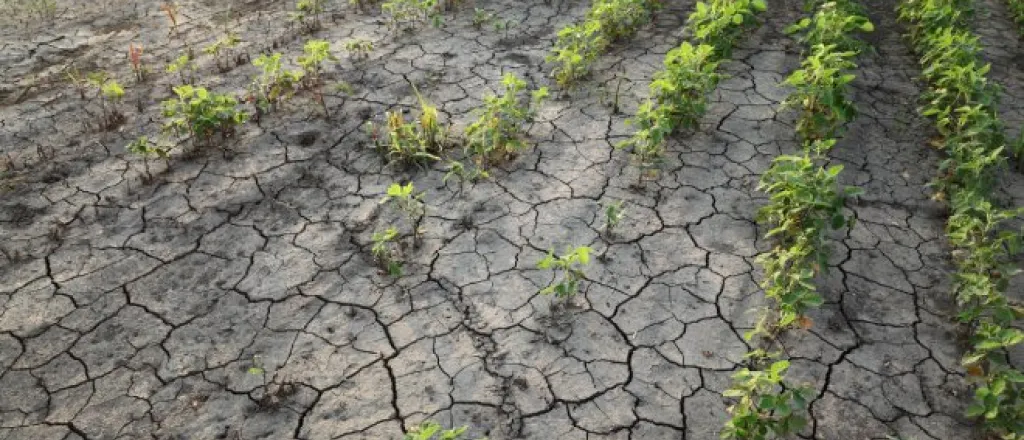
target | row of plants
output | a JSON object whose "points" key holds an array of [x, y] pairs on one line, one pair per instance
{"points": [[805, 205], [607, 21], [963, 105], [1017, 10], [679, 92]]}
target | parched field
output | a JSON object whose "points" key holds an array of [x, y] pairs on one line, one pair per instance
{"points": [[231, 291]]}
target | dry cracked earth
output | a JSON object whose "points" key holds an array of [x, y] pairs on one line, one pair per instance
{"points": [[135, 308]]}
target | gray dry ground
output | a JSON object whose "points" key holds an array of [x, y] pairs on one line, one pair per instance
{"points": [[132, 309]]}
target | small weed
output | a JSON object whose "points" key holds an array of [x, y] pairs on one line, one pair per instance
{"points": [[223, 52], [110, 94], [185, 67], [202, 114], [470, 174], [172, 16], [497, 133], [417, 141], [384, 253], [409, 202], [359, 48], [135, 60], [146, 149], [482, 17], [614, 212], [571, 266], [308, 13], [429, 429]]}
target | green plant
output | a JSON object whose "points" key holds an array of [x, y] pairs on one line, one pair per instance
{"points": [[471, 174], [418, 141], [820, 92], [575, 51], [222, 51], [482, 17], [429, 429], [359, 48], [110, 94], [621, 19], [146, 148], [274, 84], [719, 23], [408, 201], [1017, 10], [307, 13], [678, 99], [404, 13], [763, 408], [315, 53], [202, 114], [185, 67], [834, 23], [614, 212], [571, 266], [497, 133], [383, 251], [805, 202]]}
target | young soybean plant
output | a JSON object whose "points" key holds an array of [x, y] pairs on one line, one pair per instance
{"points": [[408, 201], [403, 13], [145, 148], [274, 84], [315, 53], [202, 114], [571, 266], [763, 410], [497, 134], [577, 48]]}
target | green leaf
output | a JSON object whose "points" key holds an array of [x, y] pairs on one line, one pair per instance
{"points": [[975, 409], [737, 19]]}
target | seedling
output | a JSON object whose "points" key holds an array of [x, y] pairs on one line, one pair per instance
{"points": [[359, 48], [481, 17], [274, 84], [571, 266], [575, 51], [466, 174], [222, 51], [110, 94], [185, 67], [315, 52], [257, 368], [429, 429], [403, 14], [820, 93], [384, 253], [764, 409], [77, 80], [307, 13], [408, 201], [172, 15], [145, 148], [417, 141], [497, 133], [719, 23], [135, 59], [201, 114], [614, 212]]}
